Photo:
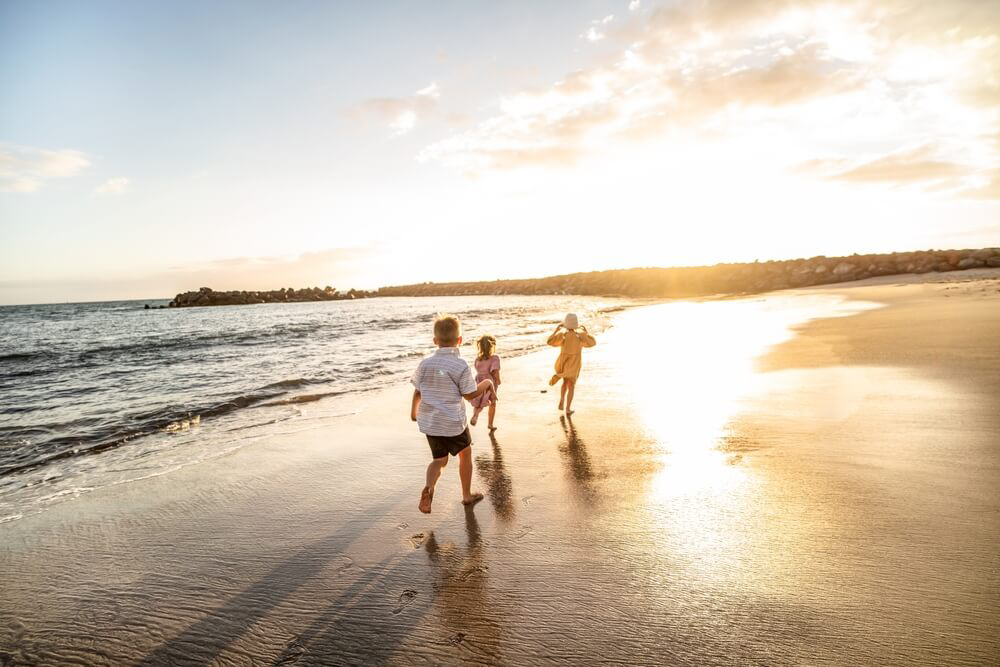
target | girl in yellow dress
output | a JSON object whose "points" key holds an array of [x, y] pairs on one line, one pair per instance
{"points": [[570, 343]]}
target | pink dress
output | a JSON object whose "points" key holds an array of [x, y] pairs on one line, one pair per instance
{"points": [[487, 369]]}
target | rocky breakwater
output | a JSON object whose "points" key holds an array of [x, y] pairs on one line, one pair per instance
{"points": [[206, 296], [742, 278]]}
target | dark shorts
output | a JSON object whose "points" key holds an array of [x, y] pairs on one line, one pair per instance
{"points": [[443, 445]]}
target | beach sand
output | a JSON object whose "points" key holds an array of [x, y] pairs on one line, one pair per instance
{"points": [[723, 495]]}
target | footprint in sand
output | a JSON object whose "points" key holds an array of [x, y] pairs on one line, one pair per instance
{"points": [[346, 564], [456, 638], [291, 654], [524, 532], [405, 598], [473, 571], [417, 540], [402, 526], [527, 499]]}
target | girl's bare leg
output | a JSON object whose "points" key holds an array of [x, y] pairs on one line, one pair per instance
{"points": [[475, 416], [492, 413], [562, 393], [569, 394]]}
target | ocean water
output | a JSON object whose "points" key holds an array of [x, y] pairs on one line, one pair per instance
{"points": [[93, 394]]}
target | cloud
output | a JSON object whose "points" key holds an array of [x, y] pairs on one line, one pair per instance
{"points": [[634, 5], [989, 189], [922, 167], [870, 76], [400, 114], [919, 165], [26, 169], [632, 99], [594, 33], [113, 186]]}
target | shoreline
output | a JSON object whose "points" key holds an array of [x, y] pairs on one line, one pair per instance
{"points": [[793, 537]]}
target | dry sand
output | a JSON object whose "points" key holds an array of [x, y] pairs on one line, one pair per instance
{"points": [[833, 501]]}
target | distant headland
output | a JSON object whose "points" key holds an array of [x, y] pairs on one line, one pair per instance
{"points": [[695, 281], [206, 296]]}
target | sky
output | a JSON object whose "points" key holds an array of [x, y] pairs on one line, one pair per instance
{"points": [[157, 147]]}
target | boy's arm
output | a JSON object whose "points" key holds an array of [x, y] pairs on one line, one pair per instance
{"points": [[414, 405], [483, 386]]}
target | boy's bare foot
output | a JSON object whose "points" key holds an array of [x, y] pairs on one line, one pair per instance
{"points": [[569, 412], [492, 428], [560, 407], [473, 499], [426, 496]]}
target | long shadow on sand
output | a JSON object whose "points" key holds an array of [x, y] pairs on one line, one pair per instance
{"points": [[210, 637], [356, 630], [461, 590], [577, 461], [498, 482]]}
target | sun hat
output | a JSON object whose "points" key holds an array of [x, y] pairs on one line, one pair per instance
{"points": [[570, 321]]}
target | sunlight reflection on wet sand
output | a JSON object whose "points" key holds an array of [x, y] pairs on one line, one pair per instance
{"points": [[691, 374], [695, 368]]}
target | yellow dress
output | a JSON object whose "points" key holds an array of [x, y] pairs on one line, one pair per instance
{"points": [[570, 361]]}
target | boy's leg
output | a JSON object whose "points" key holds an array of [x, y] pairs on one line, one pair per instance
{"points": [[569, 393], [433, 474], [492, 413], [434, 471], [562, 393], [465, 474]]}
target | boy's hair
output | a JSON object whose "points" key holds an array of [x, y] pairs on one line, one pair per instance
{"points": [[447, 329], [487, 346]]}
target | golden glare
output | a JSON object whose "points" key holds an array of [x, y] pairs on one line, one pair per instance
{"points": [[694, 371], [691, 374]]}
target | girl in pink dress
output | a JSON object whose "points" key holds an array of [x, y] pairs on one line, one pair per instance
{"points": [[487, 366]]}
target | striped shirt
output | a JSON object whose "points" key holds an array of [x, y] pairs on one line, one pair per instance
{"points": [[441, 379]]}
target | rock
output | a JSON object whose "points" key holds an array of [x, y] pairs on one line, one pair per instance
{"points": [[983, 254], [994, 261], [843, 269], [970, 263]]}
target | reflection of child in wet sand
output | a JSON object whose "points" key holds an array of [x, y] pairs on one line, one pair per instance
{"points": [[440, 383], [570, 343], [487, 368]]}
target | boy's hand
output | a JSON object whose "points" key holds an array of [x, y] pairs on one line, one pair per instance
{"points": [[413, 406]]}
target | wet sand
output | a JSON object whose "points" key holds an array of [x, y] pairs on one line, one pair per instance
{"points": [[834, 500]]}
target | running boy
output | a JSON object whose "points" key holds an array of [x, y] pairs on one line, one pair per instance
{"points": [[442, 380]]}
